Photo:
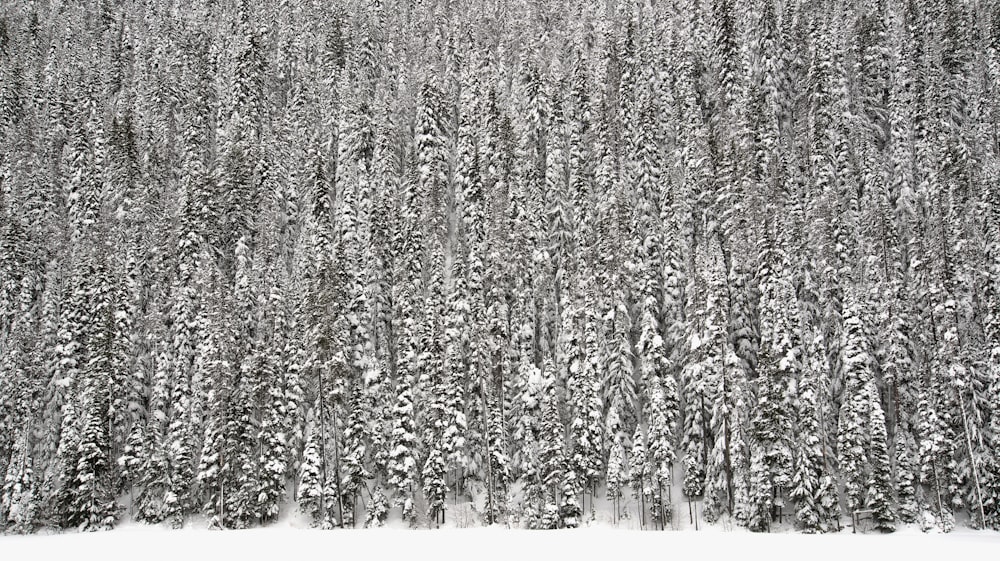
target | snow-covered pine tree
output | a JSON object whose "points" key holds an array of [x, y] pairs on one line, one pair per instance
{"points": [[526, 429], [907, 508], [696, 429], [93, 506], [854, 430], [812, 492], [616, 473], [403, 441], [724, 372], [638, 472], [878, 498], [312, 481], [355, 459], [456, 377], [991, 492], [551, 449], [433, 387], [663, 410], [19, 502]]}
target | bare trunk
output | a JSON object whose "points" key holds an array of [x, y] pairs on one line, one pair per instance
{"points": [[728, 466], [322, 446], [937, 488], [663, 514], [490, 517], [222, 503], [336, 470], [642, 506], [972, 460]]}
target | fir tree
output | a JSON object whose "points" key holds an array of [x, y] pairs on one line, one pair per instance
{"points": [[906, 491], [879, 494]]}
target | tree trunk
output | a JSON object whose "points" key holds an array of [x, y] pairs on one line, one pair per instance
{"points": [[322, 445], [728, 465], [642, 506], [490, 518], [336, 470], [663, 514], [937, 488], [222, 503], [972, 460]]}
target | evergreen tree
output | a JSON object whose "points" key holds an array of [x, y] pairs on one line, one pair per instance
{"points": [[906, 491], [312, 482], [19, 504], [662, 426], [638, 471], [814, 499], [551, 450], [879, 494]]}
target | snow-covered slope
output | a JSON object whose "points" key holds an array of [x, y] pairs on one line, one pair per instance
{"points": [[284, 541]]}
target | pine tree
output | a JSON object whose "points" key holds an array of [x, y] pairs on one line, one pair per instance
{"points": [[695, 429], [662, 426], [93, 506], [214, 369], [992, 492], [312, 483], [19, 504], [814, 505], [526, 430], [855, 430], [934, 453], [906, 491], [356, 437], [879, 494], [435, 487], [551, 451], [638, 471], [616, 473], [585, 431], [402, 462]]}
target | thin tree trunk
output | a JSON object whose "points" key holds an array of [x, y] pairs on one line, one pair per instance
{"points": [[489, 458], [663, 514], [728, 467], [222, 503], [322, 446], [642, 506], [937, 488], [336, 469], [972, 460]]}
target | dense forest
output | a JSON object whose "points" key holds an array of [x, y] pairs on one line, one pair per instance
{"points": [[373, 259]]}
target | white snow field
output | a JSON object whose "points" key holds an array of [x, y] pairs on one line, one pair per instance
{"points": [[282, 542]]}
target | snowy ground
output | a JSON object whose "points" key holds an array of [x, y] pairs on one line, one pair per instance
{"points": [[292, 539], [285, 541], [603, 539]]}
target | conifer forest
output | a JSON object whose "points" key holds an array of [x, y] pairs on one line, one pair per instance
{"points": [[370, 261]]}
